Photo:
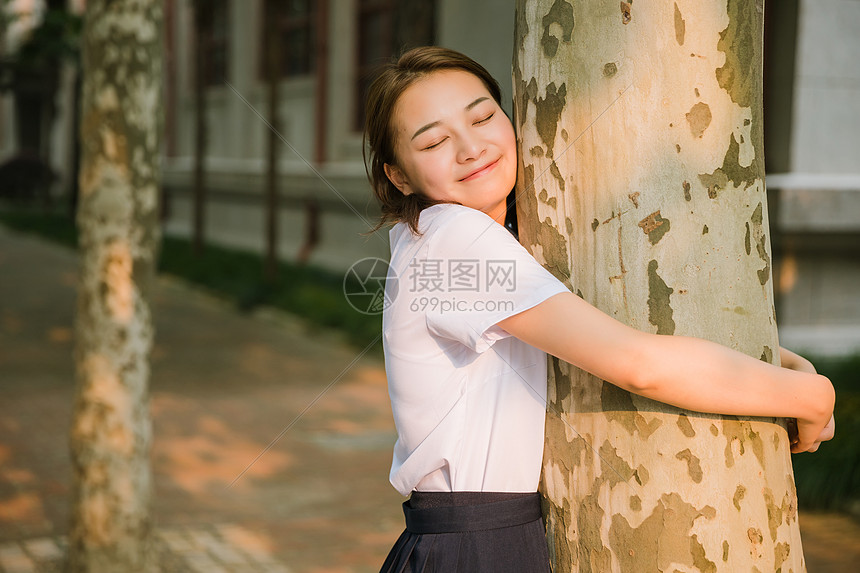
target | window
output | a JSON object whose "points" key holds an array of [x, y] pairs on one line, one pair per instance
{"points": [[386, 28], [294, 25]]}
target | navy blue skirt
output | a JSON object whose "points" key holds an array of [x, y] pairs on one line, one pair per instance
{"points": [[474, 532]]}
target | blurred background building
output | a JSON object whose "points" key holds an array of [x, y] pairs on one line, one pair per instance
{"points": [[328, 49]]}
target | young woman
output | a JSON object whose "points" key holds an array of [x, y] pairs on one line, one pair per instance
{"points": [[467, 333]]}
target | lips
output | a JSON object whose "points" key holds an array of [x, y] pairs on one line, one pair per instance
{"points": [[480, 171]]}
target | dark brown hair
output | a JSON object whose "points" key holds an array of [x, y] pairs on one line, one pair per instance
{"points": [[379, 136]]}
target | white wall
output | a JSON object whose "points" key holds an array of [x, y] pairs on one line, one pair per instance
{"points": [[484, 31], [235, 130], [826, 134]]}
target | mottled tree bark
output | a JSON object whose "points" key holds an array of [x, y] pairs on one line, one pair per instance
{"points": [[642, 187], [118, 234]]}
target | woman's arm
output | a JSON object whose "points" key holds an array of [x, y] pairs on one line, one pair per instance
{"points": [[686, 372]]}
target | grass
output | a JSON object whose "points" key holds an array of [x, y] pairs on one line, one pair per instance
{"points": [[52, 226], [312, 293], [828, 479]]}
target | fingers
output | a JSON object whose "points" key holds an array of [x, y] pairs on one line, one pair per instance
{"points": [[793, 361], [800, 447], [806, 442], [830, 428], [801, 438]]}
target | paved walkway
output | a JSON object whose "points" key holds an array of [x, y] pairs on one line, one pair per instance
{"points": [[224, 385]]}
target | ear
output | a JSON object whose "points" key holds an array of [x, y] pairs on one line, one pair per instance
{"points": [[398, 178]]}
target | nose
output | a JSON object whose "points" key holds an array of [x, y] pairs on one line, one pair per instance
{"points": [[470, 148]]}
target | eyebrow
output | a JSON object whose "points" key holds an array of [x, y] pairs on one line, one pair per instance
{"points": [[436, 123]]}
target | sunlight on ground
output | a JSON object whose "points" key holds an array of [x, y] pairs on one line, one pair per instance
{"points": [[24, 506], [59, 334], [211, 453]]}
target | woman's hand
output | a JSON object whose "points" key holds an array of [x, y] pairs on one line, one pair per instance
{"points": [[796, 439], [809, 441]]}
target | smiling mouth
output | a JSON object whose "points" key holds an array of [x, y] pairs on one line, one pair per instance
{"points": [[480, 171]]}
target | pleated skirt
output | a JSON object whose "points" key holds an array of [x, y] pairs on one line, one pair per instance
{"points": [[470, 532]]}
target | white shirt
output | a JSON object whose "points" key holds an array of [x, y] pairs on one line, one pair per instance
{"points": [[468, 399]]}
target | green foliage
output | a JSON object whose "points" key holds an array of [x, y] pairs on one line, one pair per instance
{"points": [[55, 227], [311, 293], [830, 478], [55, 39]]}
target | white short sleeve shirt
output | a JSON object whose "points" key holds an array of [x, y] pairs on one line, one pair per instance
{"points": [[468, 399]]}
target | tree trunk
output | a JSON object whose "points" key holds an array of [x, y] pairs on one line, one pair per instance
{"points": [[642, 187], [117, 222]]}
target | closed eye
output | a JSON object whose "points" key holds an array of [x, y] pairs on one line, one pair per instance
{"points": [[435, 145], [441, 141]]}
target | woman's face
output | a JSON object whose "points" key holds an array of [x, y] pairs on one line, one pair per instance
{"points": [[453, 142]]}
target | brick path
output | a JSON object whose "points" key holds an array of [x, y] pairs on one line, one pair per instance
{"points": [[224, 385], [222, 548]]}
